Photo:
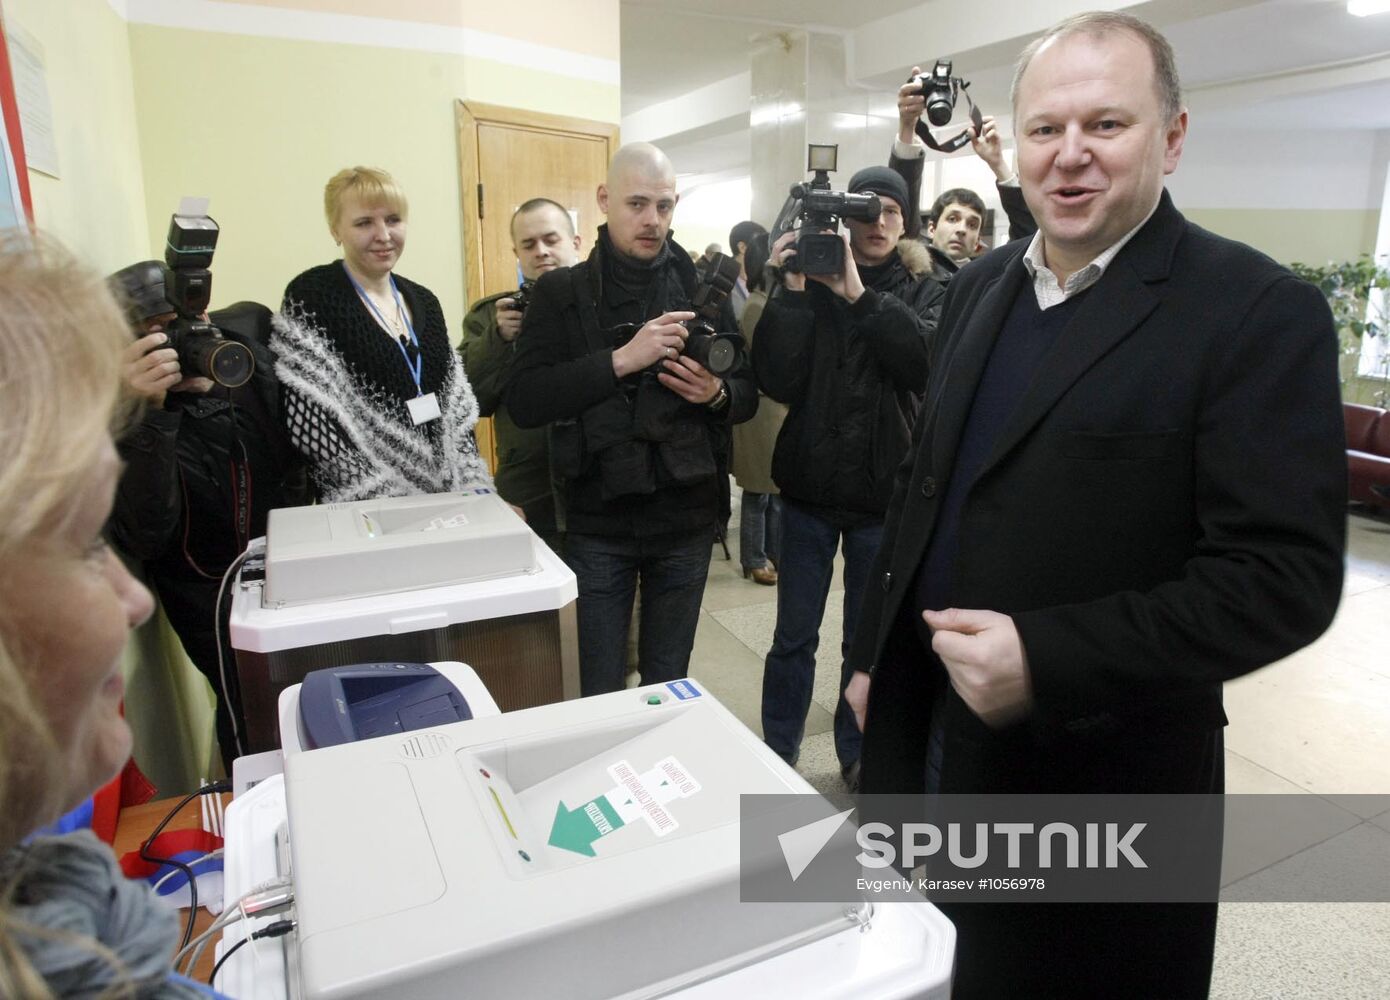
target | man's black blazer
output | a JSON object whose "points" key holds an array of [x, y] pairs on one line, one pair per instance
{"points": [[1164, 510]]}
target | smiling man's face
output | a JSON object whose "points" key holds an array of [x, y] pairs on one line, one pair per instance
{"points": [[1093, 145]]}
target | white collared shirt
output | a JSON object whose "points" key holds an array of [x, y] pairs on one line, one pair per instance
{"points": [[1045, 285]]}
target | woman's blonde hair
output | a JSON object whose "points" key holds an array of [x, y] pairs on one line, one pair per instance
{"points": [[61, 337], [374, 187]]}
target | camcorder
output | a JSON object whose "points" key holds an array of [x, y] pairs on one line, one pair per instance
{"points": [[201, 347], [815, 208], [719, 353], [941, 89]]}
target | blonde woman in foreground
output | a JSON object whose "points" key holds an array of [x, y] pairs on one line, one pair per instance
{"points": [[70, 923]]}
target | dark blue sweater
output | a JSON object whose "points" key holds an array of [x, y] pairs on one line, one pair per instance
{"points": [[1024, 341]]}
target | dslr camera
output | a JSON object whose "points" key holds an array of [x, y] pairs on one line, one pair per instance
{"points": [[940, 90], [719, 353], [814, 207], [188, 287]]}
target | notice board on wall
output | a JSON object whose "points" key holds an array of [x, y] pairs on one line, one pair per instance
{"points": [[16, 206]]}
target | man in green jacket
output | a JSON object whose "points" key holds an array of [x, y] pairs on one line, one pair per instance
{"points": [[543, 239]]}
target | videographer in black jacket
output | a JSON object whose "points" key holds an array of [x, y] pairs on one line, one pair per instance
{"points": [[204, 467], [640, 429], [848, 354]]}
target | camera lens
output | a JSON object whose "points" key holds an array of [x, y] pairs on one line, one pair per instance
{"points": [[939, 111], [722, 356], [230, 364]]}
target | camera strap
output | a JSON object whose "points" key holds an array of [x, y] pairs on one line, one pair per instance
{"points": [[951, 145]]}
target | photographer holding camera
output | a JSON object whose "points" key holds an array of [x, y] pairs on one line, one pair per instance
{"points": [[638, 426], [543, 239], [203, 468], [908, 158], [848, 353]]}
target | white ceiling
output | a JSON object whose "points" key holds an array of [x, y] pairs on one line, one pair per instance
{"points": [[1304, 65]]}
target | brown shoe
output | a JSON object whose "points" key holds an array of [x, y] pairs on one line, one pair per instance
{"points": [[765, 575]]}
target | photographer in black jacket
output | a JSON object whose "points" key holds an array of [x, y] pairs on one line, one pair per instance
{"points": [[639, 428], [848, 354], [204, 467]]}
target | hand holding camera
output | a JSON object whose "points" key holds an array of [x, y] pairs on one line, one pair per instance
{"points": [[689, 380], [151, 369], [912, 103], [508, 319], [846, 282], [510, 311], [659, 339], [938, 92], [782, 252]]}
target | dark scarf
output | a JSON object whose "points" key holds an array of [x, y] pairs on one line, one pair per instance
{"points": [[883, 277], [627, 292]]}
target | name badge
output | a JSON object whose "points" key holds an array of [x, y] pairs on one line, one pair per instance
{"points": [[423, 409]]}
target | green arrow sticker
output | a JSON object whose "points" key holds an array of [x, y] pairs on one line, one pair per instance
{"points": [[577, 830]]}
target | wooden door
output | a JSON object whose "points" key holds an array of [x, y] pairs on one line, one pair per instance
{"points": [[506, 157]]}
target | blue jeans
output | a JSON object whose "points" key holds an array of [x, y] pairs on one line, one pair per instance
{"points": [[671, 570], [759, 529], [803, 581]]}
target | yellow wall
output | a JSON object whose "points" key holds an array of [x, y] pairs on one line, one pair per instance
{"points": [[144, 114], [97, 205], [261, 123], [1309, 236]]}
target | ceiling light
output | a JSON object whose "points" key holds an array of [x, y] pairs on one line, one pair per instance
{"points": [[1365, 8]]}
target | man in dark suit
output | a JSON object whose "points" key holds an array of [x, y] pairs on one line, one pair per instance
{"points": [[1127, 485]]}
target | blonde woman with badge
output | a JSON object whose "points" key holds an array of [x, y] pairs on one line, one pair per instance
{"points": [[374, 395]]}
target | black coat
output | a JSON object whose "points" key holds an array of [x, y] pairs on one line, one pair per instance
{"points": [[852, 377], [563, 372], [1164, 511], [202, 474]]}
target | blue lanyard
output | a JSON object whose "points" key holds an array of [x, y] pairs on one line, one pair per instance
{"points": [[416, 367]]}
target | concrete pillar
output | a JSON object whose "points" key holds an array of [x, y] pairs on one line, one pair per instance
{"points": [[798, 84]]}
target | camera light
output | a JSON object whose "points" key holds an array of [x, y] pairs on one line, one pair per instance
{"points": [[1365, 8], [821, 157]]}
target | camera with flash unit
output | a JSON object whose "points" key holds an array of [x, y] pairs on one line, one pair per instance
{"points": [[719, 353], [816, 210], [188, 288]]}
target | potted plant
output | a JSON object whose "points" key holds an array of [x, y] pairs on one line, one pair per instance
{"points": [[1356, 290]]}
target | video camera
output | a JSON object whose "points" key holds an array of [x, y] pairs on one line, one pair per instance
{"points": [[201, 347], [814, 208], [940, 89]]}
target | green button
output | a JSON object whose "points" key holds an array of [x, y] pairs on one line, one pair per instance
{"points": [[653, 699]]}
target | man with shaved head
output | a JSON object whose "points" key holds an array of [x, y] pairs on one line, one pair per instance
{"points": [[1128, 485], [638, 429]]}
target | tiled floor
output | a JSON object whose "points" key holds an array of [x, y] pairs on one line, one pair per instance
{"points": [[1317, 723]]}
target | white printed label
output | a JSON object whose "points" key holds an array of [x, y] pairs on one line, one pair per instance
{"points": [[646, 794]]}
